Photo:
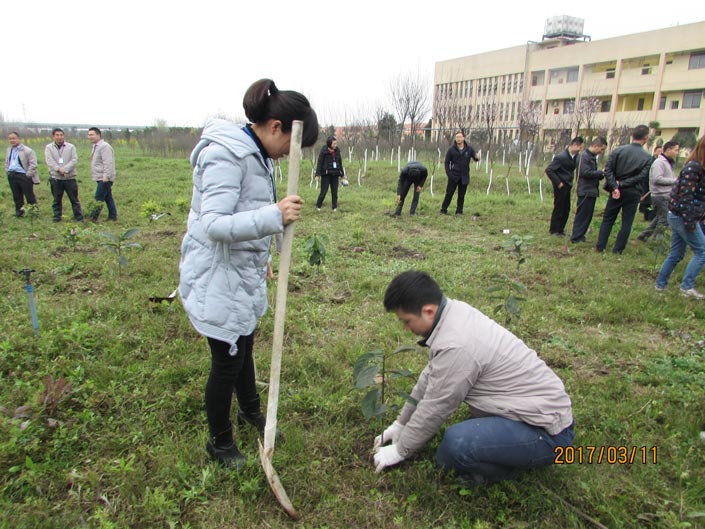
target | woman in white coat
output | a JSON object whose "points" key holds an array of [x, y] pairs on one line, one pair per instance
{"points": [[225, 254]]}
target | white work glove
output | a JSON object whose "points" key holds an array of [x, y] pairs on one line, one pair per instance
{"points": [[390, 434], [387, 456]]}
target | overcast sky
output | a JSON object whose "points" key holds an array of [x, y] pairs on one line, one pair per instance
{"points": [[133, 62]]}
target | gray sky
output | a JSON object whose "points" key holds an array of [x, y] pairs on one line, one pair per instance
{"points": [[132, 62]]}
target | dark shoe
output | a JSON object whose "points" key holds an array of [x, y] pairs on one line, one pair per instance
{"points": [[582, 239], [19, 214], [258, 420], [112, 219], [228, 455], [444, 212], [56, 220]]}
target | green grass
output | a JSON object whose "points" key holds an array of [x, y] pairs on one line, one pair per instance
{"points": [[125, 446]]}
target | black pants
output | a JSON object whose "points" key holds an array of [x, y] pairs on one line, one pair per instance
{"points": [[627, 203], [583, 217], [230, 373], [22, 188], [405, 186], [332, 182], [57, 190], [561, 209], [450, 191]]}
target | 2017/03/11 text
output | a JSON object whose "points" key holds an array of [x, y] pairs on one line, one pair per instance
{"points": [[612, 455]]}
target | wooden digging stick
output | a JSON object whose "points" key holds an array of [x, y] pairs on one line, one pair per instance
{"points": [[266, 452]]}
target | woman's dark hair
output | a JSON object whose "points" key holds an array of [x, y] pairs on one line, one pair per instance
{"points": [[330, 140], [410, 291], [264, 101], [698, 154]]}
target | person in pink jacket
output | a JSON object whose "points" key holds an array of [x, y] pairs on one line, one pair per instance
{"points": [[520, 411]]}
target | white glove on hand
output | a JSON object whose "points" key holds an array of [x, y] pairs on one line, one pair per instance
{"points": [[390, 434], [387, 456]]}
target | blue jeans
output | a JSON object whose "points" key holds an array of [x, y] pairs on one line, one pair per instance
{"points": [[490, 449], [104, 193], [680, 238]]}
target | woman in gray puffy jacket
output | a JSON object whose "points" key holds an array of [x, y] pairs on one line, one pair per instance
{"points": [[225, 254]]}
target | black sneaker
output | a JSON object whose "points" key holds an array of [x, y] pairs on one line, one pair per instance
{"points": [[228, 456]]}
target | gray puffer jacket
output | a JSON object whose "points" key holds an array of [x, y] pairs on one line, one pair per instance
{"points": [[225, 251]]}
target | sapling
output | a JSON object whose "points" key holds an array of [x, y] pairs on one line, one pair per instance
{"points": [[119, 243], [33, 214], [506, 289], [71, 236], [371, 371], [316, 250]]}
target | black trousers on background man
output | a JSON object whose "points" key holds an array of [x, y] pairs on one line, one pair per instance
{"points": [[22, 188], [583, 217], [57, 190], [627, 203], [450, 191], [561, 209]]}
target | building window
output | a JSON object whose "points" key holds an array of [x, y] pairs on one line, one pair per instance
{"points": [[572, 76], [568, 106], [692, 99], [697, 61], [640, 104], [674, 105], [646, 70], [609, 74], [605, 105], [662, 103]]}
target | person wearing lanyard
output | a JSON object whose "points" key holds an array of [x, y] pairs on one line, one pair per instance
{"points": [[225, 254], [60, 157], [21, 168]]}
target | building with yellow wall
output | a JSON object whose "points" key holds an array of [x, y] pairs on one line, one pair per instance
{"points": [[567, 83]]}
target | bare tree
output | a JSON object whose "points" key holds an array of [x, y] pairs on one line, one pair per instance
{"points": [[409, 97]]}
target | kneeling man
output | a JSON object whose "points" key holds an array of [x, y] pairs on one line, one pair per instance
{"points": [[520, 411]]}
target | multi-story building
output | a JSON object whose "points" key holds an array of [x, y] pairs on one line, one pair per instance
{"points": [[567, 83]]}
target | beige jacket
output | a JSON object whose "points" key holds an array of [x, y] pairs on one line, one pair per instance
{"points": [[102, 162], [64, 158], [28, 160], [475, 360]]}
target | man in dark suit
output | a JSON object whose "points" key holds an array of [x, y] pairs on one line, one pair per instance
{"points": [[589, 177], [560, 172]]}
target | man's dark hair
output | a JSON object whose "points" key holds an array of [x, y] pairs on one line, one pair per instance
{"points": [[15, 133], [578, 140], [410, 291], [55, 130], [670, 145], [599, 141], [640, 132], [96, 130]]}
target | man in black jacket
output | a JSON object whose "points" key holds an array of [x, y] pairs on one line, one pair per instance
{"points": [[626, 178], [457, 164], [560, 172], [414, 175], [589, 177]]}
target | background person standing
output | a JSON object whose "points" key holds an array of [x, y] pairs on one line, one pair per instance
{"points": [[103, 173], [661, 180], [560, 172], [589, 177], [627, 176], [685, 210], [329, 169], [457, 166], [21, 168], [60, 156]]}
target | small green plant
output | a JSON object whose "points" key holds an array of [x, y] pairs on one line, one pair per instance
{"points": [[316, 250], [182, 205], [509, 291], [33, 214], [118, 244], [71, 236], [371, 371], [150, 208]]}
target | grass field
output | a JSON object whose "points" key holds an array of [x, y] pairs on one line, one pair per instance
{"points": [[103, 423]]}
